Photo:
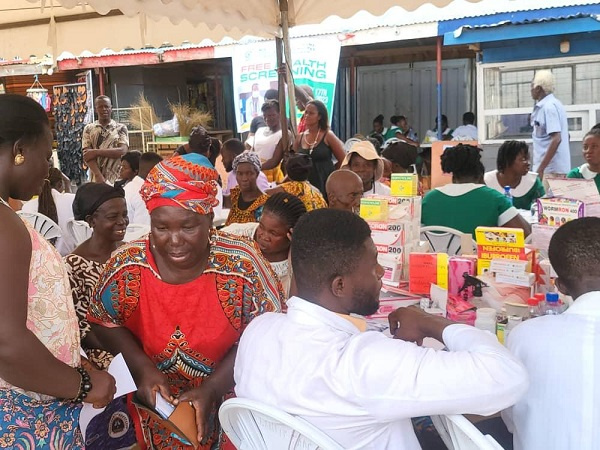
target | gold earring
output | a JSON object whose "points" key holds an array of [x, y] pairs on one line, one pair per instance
{"points": [[19, 159]]}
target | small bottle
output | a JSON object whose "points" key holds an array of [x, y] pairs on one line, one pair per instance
{"points": [[534, 211], [501, 321], [533, 308], [513, 321], [507, 194], [552, 307], [486, 319]]}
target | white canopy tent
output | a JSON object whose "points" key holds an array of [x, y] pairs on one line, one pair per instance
{"points": [[76, 25]]}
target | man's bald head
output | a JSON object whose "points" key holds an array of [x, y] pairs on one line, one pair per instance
{"points": [[344, 190]]}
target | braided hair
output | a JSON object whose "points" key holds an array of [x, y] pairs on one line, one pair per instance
{"points": [[46, 205], [508, 152], [463, 161], [287, 207]]}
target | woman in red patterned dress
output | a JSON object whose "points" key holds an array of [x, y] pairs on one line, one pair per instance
{"points": [[175, 303]]}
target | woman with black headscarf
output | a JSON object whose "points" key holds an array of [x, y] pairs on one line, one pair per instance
{"points": [[104, 208]]}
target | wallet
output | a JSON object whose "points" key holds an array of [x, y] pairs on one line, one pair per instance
{"points": [[181, 422]]}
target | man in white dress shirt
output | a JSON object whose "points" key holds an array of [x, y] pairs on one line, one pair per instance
{"points": [[360, 387], [561, 409]]}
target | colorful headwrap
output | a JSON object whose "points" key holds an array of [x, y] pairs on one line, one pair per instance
{"points": [[188, 181], [248, 157]]}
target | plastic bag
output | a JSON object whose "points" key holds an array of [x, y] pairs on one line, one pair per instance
{"points": [[167, 128]]}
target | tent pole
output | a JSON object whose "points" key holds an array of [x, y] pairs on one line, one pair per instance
{"points": [[439, 87], [281, 93], [283, 8]]}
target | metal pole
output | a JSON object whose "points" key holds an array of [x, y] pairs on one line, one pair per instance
{"points": [[281, 93], [283, 7], [439, 87]]}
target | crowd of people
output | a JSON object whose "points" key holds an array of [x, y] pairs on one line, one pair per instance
{"points": [[177, 302]]}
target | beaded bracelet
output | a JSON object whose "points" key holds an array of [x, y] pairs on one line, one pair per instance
{"points": [[85, 385]]}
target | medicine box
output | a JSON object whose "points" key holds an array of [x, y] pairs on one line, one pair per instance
{"points": [[404, 184], [558, 211], [425, 269], [374, 209]]}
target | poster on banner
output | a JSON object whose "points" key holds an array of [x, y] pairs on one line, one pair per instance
{"points": [[314, 63]]}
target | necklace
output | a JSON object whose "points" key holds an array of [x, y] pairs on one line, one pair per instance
{"points": [[311, 146], [4, 202]]}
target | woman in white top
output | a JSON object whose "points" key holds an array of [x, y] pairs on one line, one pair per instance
{"points": [[273, 233], [513, 171], [265, 140], [57, 206], [363, 160]]}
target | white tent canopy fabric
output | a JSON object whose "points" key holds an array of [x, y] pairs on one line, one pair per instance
{"points": [[255, 17]]}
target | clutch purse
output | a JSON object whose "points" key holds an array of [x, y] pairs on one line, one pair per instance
{"points": [[180, 421]]}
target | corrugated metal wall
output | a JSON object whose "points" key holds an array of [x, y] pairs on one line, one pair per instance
{"points": [[410, 90]]}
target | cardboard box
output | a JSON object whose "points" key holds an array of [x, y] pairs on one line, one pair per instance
{"points": [[402, 208], [558, 211], [390, 237], [502, 243], [404, 184], [390, 301], [457, 266], [438, 177], [392, 267], [425, 269], [374, 209]]}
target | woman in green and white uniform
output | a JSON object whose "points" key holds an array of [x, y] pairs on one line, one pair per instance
{"points": [[466, 204], [513, 170], [590, 170]]}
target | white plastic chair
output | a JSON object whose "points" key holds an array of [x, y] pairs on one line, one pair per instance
{"points": [[135, 231], [448, 240], [79, 230], [42, 224], [252, 425], [458, 433]]}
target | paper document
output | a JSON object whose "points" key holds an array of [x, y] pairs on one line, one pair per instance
{"points": [[125, 384]]}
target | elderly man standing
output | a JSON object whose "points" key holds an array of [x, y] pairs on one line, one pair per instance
{"points": [[104, 142], [551, 152]]}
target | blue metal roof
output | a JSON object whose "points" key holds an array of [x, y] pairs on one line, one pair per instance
{"points": [[505, 31], [518, 17]]}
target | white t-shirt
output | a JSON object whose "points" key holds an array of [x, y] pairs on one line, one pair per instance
{"points": [[264, 142], [561, 409], [136, 207]]}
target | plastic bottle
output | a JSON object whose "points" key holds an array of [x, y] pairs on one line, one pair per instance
{"points": [[501, 321], [507, 194], [486, 319], [552, 307], [533, 308], [512, 322]]}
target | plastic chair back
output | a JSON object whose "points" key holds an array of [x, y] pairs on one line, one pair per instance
{"points": [[79, 230], [448, 240], [42, 224], [458, 433], [252, 425]]}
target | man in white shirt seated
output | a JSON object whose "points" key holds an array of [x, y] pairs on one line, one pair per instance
{"points": [[561, 353], [467, 131], [362, 387], [136, 207]]}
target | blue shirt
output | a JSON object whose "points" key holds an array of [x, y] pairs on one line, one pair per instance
{"points": [[548, 117]]}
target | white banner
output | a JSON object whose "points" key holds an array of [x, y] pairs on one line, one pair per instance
{"points": [[315, 63]]}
